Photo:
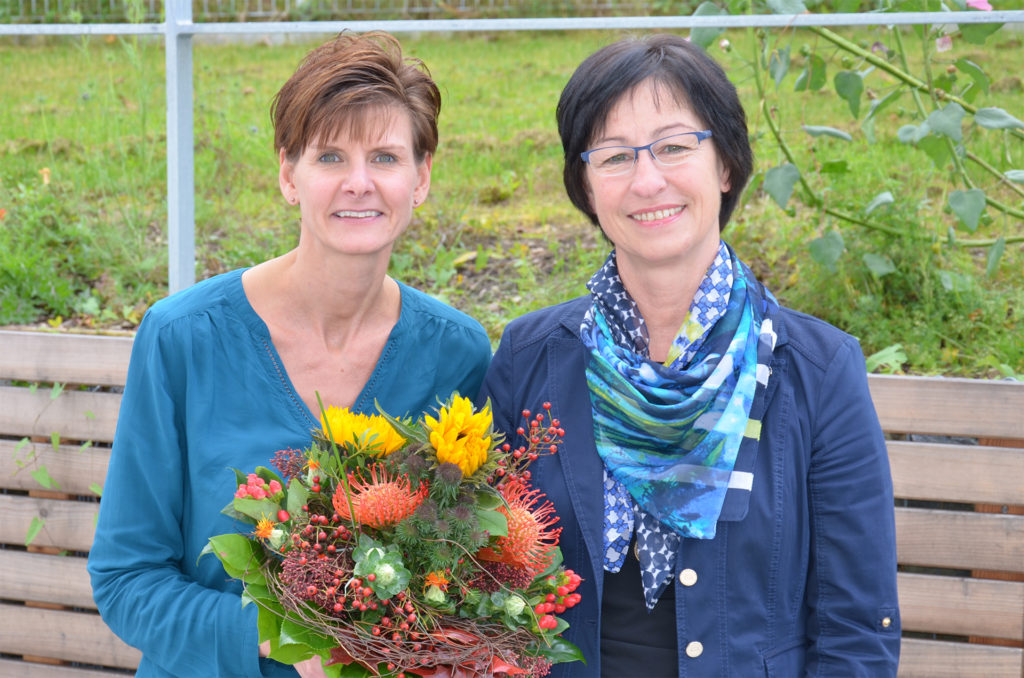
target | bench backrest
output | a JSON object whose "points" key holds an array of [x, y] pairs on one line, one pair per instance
{"points": [[959, 516], [958, 474]]}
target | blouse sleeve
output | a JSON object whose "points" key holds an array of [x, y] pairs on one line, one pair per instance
{"points": [[854, 625], [136, 562]]}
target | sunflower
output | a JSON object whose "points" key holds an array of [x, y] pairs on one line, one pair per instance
{"points": [[370, 432], [379, 500], [461, 436], [530, 543]]}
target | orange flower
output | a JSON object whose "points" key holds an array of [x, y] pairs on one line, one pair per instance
{"points": [[380, 500], [264, 528], [530, 543], [437, 579], [3, 213]]}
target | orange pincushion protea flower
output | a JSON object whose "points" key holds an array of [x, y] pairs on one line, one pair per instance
{"points": [[530, 543], [380, 500]]}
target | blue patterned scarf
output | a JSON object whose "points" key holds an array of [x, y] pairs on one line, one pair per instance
{"points": [[671, 434]]}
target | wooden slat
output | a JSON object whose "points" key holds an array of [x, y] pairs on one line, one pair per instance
{"points": [[81, 637], [63, 357], [957, 473], [45, 578], [938, 659], [959, 539], [71, 466], [13, 668], [69, 524], [75, 415], [961, 606], [941, 406]]}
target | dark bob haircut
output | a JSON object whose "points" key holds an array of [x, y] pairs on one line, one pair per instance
{"points": [[344, 84], [684, 70]]}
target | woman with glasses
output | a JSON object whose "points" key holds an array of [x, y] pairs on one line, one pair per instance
{"points": [[724, 489], [229, 371]]}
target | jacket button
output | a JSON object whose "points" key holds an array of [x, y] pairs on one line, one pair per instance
{"points": [[688, 577], [886, 622], [694, 649]]}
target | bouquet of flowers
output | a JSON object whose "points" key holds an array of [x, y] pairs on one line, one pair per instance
{"points": [[397, 547]]}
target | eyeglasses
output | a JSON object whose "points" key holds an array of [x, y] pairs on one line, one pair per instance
{"points": [[667, 152]]}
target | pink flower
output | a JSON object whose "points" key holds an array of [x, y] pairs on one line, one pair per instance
{"points": [[275, 487], [242, 492], [944, 44], [979, 4]]}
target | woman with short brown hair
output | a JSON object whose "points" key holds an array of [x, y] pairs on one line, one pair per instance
{"points": [[227, 372]]}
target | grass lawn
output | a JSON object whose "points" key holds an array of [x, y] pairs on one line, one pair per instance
{"points": [[82, 187]]}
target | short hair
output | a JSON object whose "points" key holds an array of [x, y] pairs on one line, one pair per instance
{"points": [[669, 61], [343, 83]]}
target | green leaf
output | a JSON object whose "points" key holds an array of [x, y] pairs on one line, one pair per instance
{"points": [[996, 118], [55, 441], [814, 75], [974, 72], [561, 650], [977, 34], [850, 86], [256, 508], [268, 621], [879, 105], [488, 498], [891, 357], [33, 529], [995, 253], [818, 130], [296, 633], [236, 552], [290, 653], [935, 148], [56, 390], [43, 477], [883, 198], [827, 249], [779, 182], [787, 6], [705, 36], [879, 265], [778, 64], [1016, 176], [911, 134], [947, 121], [297, 497], [96, 489], [968, 206], [494, 522]]}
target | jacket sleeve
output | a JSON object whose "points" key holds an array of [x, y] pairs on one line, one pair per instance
{"points": [[136, 562], [854, 625]]}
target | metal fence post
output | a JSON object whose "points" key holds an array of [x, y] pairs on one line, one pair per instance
{"points": [[181, 258]]}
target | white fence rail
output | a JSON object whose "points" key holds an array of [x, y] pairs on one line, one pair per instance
{"points": [[179, 29]]}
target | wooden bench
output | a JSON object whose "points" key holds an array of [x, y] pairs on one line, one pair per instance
{"points": [[959, 516]]}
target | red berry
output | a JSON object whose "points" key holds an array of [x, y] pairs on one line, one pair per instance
{"points": [[282, 516], [371, 577]]}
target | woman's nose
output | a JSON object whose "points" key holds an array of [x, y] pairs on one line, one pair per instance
{"points": [[648, 175], [357, 179]]}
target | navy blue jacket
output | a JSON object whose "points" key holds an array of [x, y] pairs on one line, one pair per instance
{"points": [[805, 584]]}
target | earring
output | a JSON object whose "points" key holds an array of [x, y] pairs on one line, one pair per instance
{"points": [[293, 200]]}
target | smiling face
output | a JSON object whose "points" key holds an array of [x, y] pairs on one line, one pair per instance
{"points": [[654, 215], [357, 191]]}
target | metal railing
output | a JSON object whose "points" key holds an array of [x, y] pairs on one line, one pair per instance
{"points": [[178, 30]]}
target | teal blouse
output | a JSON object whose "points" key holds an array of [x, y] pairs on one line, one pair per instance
{"points": [[206, 392]]}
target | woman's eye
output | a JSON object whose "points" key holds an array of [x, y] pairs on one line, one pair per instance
{"points": [[618, 159], [385, 158], [329, 157]]}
